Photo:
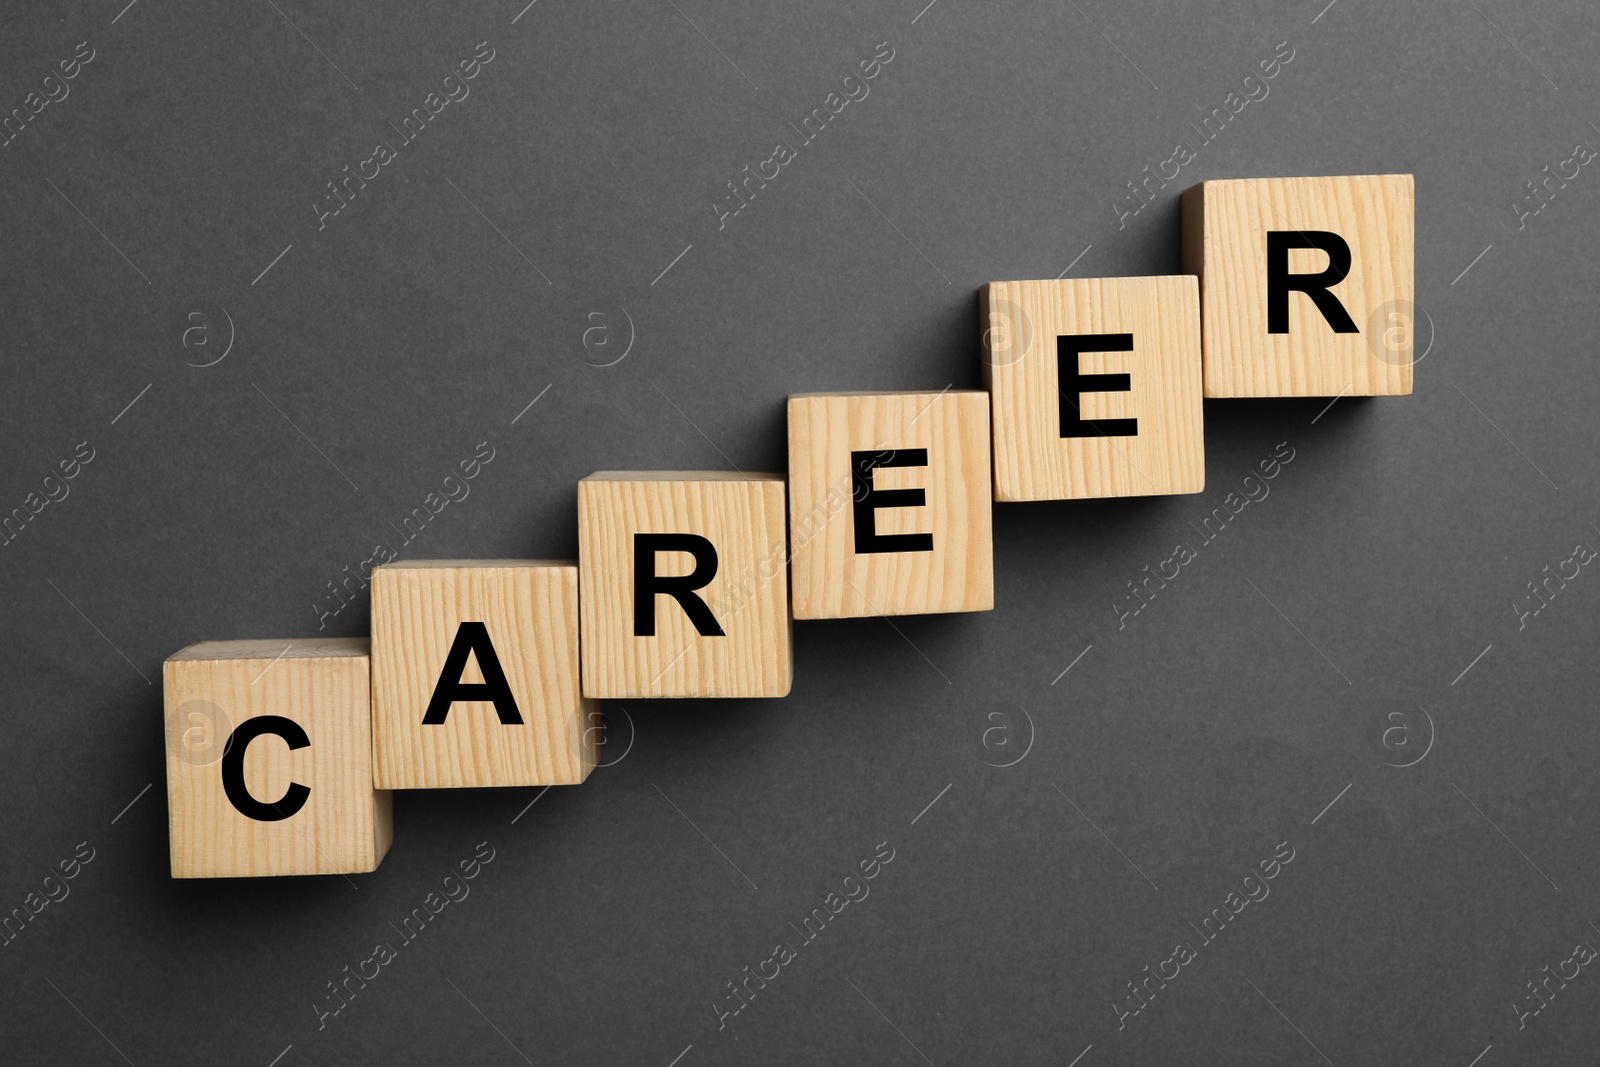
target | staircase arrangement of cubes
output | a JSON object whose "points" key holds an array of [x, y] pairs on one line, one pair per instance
{"points": [[281, 754]]}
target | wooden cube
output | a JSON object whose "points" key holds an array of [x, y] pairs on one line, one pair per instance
{"points": [[684, 584], [475, 675], [269, 759], [1095, 386], [1305, 284], [890, 503]]}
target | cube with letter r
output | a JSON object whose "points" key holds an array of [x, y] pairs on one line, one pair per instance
{"points": [[684, 584], [1305, 284]]}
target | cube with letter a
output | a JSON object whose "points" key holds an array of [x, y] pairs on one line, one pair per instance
{"points": [[269, 759], [1095, 387], [475, 675], [889, 503], [1305, 284], [684, 584]]}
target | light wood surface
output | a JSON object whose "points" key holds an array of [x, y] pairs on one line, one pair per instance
{"points": [[529, 610], [831, 579], [1225, 224], [323, 685], [743, 517], [1032, 461]]}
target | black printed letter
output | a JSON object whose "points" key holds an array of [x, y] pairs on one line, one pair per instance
{"points": [[868, 500], [472, 638], [293, 799], [1073, 383], [646, 583], [1316, 286]]}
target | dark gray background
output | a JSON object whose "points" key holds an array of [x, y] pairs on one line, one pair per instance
{"points": [[1221, 721]]}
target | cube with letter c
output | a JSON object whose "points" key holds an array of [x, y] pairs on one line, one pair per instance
{"points": [[269, 759], [890, 503], [1095, 386], [684, 584]]}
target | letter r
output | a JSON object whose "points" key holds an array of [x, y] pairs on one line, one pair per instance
{"points": [[1316, 286], [647, 583]]}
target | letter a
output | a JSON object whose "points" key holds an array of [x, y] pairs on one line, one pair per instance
{"points": [[472, 638]]}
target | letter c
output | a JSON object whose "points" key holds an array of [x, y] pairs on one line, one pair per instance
{"points": [[293, 799]]}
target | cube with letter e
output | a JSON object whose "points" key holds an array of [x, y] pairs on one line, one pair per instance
{"points": [[684, 584], [890, 503], [1095, 387], [1305, 284]]}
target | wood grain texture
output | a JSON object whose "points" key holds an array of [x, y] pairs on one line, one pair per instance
{"points": [[529, 608], [324, 685], [831, 579], [1225, 224], [1032, 461], [743, 517]]}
